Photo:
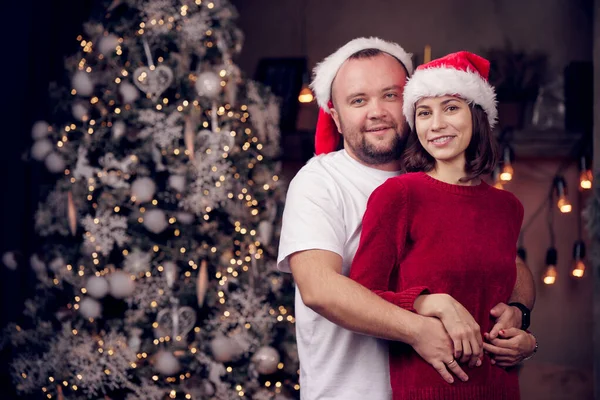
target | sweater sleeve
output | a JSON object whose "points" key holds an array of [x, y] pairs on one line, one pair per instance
{"points": [[382, 241], [519, 216]]}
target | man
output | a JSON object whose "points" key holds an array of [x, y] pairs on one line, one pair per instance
{"points": [[359, 89]]}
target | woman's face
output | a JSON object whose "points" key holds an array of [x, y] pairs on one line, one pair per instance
{"points": [[444, 127]]}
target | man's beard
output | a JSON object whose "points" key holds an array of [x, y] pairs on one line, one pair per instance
{"points": [[370, 154]]}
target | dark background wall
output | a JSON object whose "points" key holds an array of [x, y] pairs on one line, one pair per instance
{"points": [[314, 28], [37, 35]]}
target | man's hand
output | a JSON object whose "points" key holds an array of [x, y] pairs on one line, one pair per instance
{"points": [[512, 347], [433, 344], [464, 331], [506, 317]]}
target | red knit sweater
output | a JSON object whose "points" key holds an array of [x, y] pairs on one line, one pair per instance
{"points": [[420, 234]]}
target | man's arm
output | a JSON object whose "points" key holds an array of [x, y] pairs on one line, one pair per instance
{"points": [[318, 274], [348, 304], [523, 292]]}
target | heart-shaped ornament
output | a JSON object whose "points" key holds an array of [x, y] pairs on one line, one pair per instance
{"points": [[153, 82], [176, 321]]}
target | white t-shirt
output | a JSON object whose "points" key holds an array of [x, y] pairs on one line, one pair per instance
{"points": [[323, 210]]}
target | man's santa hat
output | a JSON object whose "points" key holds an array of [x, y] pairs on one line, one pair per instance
{"points": [[327, 136], [461, 74]]}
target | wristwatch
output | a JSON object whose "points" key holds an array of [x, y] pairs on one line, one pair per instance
{"points": [[525, 319]]}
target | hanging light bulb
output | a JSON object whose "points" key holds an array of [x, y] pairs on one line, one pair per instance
{"points": [[578, 255], [563, 203], [496, 178], [585, 175], [306, 95], [507, 169], [550, 273]]}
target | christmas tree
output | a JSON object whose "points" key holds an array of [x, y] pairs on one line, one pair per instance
{"points": [[157, 276]]}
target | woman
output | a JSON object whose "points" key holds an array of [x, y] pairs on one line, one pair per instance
{"points": [[440, 241]]}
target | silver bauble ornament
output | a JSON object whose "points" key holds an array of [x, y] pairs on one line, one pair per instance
{"points": [[266, 360], [208, 84], [40, 130], [90, 308], [97, 286], [108, 44], [82, 83], [41, 148], [155, 221], [9, 260], [121, 284], [177, 182], [166, 363], [223, 349], [80, 111], [143, 190], [128, 92], [55, 163]]}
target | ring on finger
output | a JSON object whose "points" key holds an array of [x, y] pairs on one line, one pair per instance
{"points": [[451, 363]]}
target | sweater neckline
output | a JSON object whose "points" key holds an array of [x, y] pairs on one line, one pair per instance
{"points": [[475, 190]]}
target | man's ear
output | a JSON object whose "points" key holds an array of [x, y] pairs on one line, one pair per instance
{"points": [[336, 119]]}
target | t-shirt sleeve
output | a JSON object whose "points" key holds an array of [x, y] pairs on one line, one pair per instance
{"points": [[382, 242], [312, 218]]}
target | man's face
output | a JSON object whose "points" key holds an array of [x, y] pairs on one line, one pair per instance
{"points": [[367, 98]]}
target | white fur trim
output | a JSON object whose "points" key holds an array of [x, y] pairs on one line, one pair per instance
{"points": [[441, 81], [325, 71]]}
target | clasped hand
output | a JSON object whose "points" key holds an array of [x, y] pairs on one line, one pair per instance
{"points": [[506, 345]]}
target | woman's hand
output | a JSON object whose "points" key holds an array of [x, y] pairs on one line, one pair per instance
{"points": [[506, 317], [458, 322], [511, 347]]}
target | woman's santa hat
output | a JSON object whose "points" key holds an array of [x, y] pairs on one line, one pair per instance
{"points": [[461, 74], [327, 136]]}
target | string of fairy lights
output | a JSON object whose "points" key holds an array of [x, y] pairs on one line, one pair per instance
{"points": [[241, 260], [558, 196]]}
